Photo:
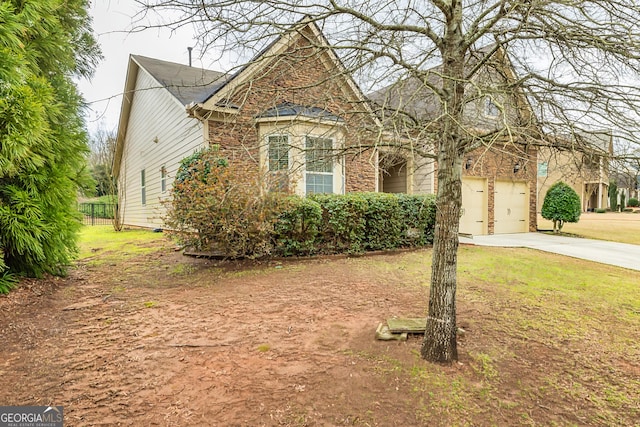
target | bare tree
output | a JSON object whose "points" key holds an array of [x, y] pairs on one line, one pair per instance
{"points": [[570, 63], [102, 144], [101, 157]]}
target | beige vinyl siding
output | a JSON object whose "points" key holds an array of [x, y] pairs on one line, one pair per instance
{"points": [[423, 177], [395, 179], [159, 134]]}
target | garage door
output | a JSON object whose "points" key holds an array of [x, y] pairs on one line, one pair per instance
{"points": [[511, 207], [474, 206]]}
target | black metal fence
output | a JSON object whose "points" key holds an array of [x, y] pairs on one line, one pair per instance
{"points": [[97, 213]]}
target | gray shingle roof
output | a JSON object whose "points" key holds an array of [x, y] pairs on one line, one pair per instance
{"points": [[187, 84], [288, 109], [415, 97]]}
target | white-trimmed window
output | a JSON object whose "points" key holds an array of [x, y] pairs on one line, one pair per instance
{"points": [[278, 162], [319, 165], [143, 187], [278, 153], [163, 179]]}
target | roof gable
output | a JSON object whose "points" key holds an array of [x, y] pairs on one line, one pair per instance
{"points": [[416, 98], [305, 29], [185, 84]]}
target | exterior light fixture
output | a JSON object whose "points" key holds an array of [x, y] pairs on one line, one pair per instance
{"points": [[468, 163], [516, 167]]}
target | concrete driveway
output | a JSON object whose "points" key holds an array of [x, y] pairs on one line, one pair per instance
{"points": [[618, 254]]}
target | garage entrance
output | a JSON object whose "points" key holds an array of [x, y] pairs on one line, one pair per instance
{"points": [[474, 206], [511, 207]]}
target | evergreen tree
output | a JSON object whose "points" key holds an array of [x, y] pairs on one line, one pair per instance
{"points": [[45, 43], [613, 196], [561, 204]]}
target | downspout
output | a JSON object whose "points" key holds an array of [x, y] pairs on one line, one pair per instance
{"points": [[344, 176], [600, 179]]}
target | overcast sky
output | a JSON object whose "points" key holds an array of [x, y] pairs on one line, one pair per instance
{"points": [[112, 20]]}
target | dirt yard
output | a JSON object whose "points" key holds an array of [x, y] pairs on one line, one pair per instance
{"points": [[160, 339]]}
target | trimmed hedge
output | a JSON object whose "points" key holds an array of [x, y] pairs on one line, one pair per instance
{"points": [[418, 214], [297, 226], [343, 226], [354, 223]]}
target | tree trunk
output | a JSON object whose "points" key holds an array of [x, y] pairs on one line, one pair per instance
{"points": [[439, 343]]}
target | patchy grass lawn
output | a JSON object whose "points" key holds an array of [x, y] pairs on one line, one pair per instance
{"points": [[623, 227], [100, 243], [150, 337]]}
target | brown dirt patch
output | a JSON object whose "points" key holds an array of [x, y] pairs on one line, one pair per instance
{"points": [[162, 339]]}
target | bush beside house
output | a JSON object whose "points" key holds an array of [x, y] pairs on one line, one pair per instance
{"points": [[219, 208]]}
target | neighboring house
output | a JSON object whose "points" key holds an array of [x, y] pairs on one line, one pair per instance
{"points": [[292, 113], [626, 174], [627, 185], [582, 161], [498, 176]]}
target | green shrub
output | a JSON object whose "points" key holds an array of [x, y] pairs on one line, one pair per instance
{"points": [[383, 221], [217, 206], [343, 222], [418, 213], [633, 202], [561, 204], [353, 223], [600, 210], [200, 164], [8, 280], [622, 202], [613, 196], [297, 226]]}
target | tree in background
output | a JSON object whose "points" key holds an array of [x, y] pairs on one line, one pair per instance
{"points": [[613, 196], [573, 61], [103, 148], [43, 143], [561, 204]]}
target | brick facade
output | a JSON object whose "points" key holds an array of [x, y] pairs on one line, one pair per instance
{"points": [[301, 75]]}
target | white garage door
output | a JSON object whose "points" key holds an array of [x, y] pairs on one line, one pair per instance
{"points": [[511, 205], [474, 206]]}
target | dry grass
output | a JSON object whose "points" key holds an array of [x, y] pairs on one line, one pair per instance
{"points": [[616, 227], [549, 340], [546, 346]]}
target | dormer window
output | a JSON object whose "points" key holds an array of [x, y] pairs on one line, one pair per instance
{"points": [[491, 108]]}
